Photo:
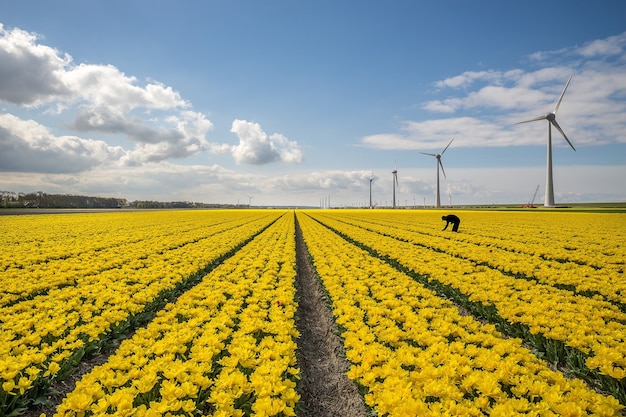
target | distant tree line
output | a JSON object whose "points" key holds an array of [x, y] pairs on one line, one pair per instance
{"points": [[178, 205], [39, 199]]}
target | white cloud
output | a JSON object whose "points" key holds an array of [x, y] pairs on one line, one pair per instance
{"points": [[613, 45], [318, 181], [467, 78], [27, 146], [30, 74], [105, 85], [103, 98], [435, 134], [257, 148]]}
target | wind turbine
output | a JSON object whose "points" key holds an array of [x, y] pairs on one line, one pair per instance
{"points": [[437, 165], [395, 182], [551, 118], [371, 180]]}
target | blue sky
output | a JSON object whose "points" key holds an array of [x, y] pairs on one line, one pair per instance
{"points": [[297, 102]]}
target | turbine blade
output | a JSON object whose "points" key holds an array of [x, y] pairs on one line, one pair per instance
{"points": [[558, 103], [555, 124], [430, 154], [533, 120], [442, 170], [447, 146]]}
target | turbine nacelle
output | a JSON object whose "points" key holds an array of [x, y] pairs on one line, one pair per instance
{"points": [[438, 157], [551, 117]]}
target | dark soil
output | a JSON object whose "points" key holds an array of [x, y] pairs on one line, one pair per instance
{"points": [[324, 387]]}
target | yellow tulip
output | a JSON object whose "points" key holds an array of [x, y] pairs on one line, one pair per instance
{"points": [[79, 403], [9, 386]]}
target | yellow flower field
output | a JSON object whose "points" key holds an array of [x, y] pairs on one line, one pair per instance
{"points": [[58, 306], [594, 324], [519, 313], [414, 353], [226, 346]]}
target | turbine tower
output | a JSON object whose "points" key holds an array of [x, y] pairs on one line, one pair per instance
{"points": [[437, 165], [551, 118], [395, 182], [371, 180]]}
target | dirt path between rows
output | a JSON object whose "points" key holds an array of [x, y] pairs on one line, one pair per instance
{"points": [[324, 387]]}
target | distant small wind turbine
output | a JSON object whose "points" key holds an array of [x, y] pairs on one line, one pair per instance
{"points": [[371, 180], [551, 118], [395, 182], [437, 165]]}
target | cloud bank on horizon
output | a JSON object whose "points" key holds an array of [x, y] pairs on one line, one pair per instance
{"points": [[90, 128]]}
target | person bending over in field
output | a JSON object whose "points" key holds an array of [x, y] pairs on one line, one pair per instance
{"points": [[451, 218]]}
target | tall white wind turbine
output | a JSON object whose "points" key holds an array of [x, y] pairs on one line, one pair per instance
{"points": [[437, 165], [551, 118], [395, 182]]}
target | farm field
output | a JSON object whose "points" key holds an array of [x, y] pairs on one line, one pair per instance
{"points": [[195, 312]]}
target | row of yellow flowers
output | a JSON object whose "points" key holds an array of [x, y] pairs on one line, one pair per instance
{"points": [[48, 251], [226, 347], [42, 335], [593, 326], [590, 258], [587, 238], [415, 354]]}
